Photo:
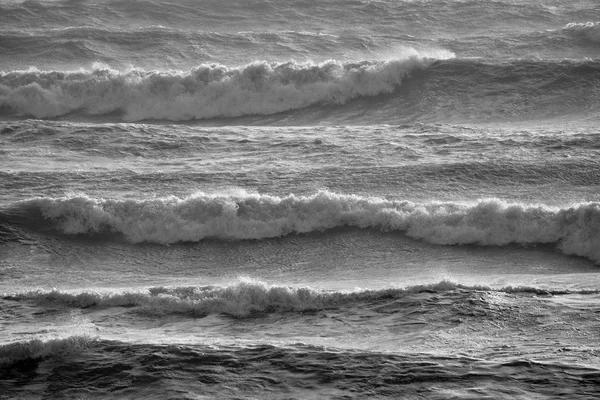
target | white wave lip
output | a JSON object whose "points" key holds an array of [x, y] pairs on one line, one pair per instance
{"points": [[208, 91], [587, 30], [576, 229]]}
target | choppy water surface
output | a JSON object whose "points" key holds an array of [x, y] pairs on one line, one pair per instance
{"points": [[256, 199]]}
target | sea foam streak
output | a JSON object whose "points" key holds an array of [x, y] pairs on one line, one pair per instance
{"points": [[575, 229], [207, 91]]}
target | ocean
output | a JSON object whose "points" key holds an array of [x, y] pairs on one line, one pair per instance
{"points": [[292, 199]]}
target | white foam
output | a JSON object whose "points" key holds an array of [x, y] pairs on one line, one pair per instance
{"points": [[576, 229], [243, 297], [207, 91]]}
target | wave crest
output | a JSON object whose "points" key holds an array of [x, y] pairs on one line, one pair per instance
{"points": [[37, 348], [207, 91], [586, 30], [575, 229], [246, 297]]}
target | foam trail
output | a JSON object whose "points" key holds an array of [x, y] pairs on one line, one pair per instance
{"points": [[207, 91], [575, 229]]}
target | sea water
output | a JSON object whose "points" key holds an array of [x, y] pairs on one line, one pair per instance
{"points": [[295, 199]]}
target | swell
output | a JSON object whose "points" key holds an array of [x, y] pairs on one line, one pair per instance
{"points": [[249, 297], [492, 222], [417, 86], [485, 90]]}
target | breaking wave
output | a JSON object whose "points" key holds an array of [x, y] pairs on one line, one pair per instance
{"points": [[576, 229], [38, 348], [207, 91], [245, 297], [421, 85]]}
